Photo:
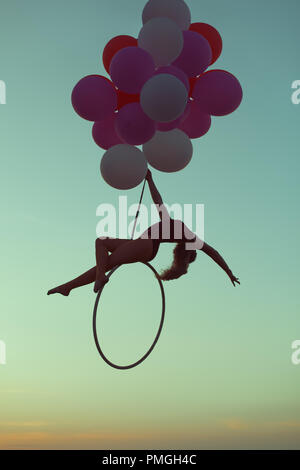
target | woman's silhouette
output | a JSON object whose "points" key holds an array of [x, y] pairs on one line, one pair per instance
{"points": [[111, 252]]}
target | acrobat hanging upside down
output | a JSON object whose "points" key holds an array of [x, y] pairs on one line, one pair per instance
{"points": [[112, 252]]}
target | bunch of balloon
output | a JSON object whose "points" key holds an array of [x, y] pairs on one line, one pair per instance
{"points": [[159, 94]]}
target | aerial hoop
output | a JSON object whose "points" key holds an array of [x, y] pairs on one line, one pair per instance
{"points": [[157, 335]]}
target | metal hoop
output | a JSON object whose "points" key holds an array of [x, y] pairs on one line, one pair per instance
{"points": [[157, 335]]}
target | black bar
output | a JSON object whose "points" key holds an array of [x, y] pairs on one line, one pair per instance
{"points": [[136, 458]]}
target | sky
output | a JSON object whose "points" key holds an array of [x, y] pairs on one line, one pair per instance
{"points": [[221, 375]]}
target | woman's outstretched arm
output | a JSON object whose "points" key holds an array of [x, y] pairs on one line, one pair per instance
{"points": [[156, 197], [215, 255]]}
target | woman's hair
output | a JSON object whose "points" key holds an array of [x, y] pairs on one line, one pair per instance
{"points": [[181, 260]]}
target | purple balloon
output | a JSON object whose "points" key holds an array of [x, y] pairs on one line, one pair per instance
{"points": [[104, 133], [197, 123], [169, 126], [133, 126], [218, 92], [130, 68], [94, 98], [176, 72], [196, 54]]}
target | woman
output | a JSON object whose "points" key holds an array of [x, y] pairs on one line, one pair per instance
{"points": [[145, 248]]}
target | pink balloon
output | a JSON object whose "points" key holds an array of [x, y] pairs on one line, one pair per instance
{"points": [[176, 72], [197, 123], [196, 54], [169, 126], [104, 133], [133, 126], [218, 92], [130, 68], [94, 98]]}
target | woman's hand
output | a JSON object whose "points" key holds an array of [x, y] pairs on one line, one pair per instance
{"points": [[149, 176], [234, 279]]}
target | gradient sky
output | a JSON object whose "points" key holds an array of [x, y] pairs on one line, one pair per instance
{"points": [[221, 375]]}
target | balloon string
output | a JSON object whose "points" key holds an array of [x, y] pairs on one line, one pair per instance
{"points": [[138, 211], [134, 227]]}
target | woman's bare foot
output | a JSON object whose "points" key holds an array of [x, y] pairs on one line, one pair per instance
{"points": [[99, 283], [63, 290]]}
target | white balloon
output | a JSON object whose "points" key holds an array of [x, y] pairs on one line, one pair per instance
{"points": [[169, 151], [123, 166], [164, 97], [176, 10], [163, 39]]}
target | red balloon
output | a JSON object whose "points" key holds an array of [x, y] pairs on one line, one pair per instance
{"points": [[218, 92], [94, 98], [196, 54], [130, 69], [212, 36], [192, 84], [114, 45], [126, 98], [197, 123], [133, 126], [104, 133]]}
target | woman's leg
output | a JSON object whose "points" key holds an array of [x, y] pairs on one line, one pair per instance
{"points": [[89, 276], [123, 251], [82, 280], [133, 251], [103, 246]]}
